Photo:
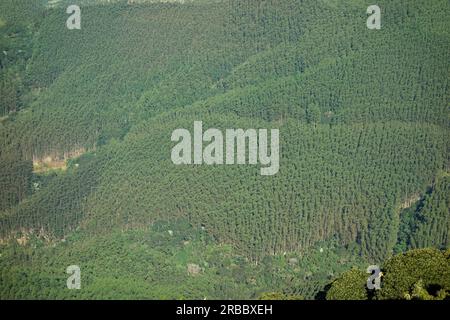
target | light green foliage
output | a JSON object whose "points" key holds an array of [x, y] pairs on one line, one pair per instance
{"points": [[350, 286], [416, 271], [420, 274]]}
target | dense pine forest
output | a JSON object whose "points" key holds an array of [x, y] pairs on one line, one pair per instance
{"points": [[86, 177]]}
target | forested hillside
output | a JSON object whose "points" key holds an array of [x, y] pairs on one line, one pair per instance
{"points": [[86, 118]]}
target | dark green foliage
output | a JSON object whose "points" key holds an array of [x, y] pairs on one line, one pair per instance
{"points": [[363, 118], [432, 227], [58, 207], [15, 181], [427, 222], [18, 21]]}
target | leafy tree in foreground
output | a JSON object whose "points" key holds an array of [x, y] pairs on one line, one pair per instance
{"points": [[421, 274], [351, 286], [416, 271]]}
